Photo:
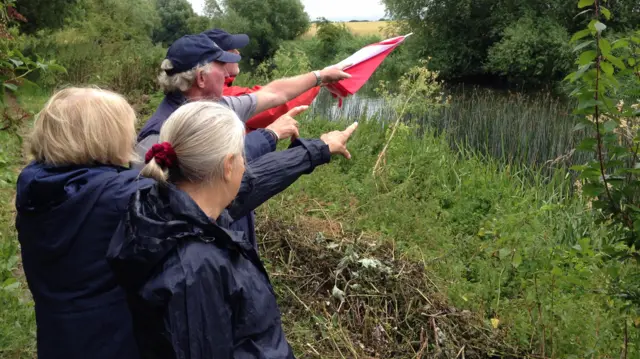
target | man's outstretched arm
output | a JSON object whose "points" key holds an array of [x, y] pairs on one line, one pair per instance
{"points": [[281, 91], [274, 172]]}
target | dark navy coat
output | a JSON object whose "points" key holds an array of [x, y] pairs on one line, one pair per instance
{"points": [[66, 217], [196, 290], [268, 168], [257, 143]]}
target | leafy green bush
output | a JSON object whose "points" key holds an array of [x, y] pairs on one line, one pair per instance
{"points": [[267, 22], [531, 50]]}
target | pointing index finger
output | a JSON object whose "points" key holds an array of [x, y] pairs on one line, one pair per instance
{"points": [[297, 110], [349, 131]]}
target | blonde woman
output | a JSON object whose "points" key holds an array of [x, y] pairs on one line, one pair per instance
{"points": [[196, 289], [69, 202]]}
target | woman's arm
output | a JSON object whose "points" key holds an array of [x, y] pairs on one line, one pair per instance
{"points": [[272, 173]]}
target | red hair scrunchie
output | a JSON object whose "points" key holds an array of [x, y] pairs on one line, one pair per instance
{"points": [[163, 153]]}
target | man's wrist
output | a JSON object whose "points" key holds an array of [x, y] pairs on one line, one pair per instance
{"points": [[318, 78], [273, 133]]}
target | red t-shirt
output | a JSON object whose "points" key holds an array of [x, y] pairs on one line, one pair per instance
{"points": [[265, 118]]}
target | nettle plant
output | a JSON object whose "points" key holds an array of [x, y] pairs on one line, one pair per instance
{"points": [[14, 66], [608, 73]]}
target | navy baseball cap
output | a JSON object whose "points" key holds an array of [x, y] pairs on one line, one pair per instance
{"points": [[227, 41], [192, 50]]}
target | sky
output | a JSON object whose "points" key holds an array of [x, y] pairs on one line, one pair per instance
{"points": [[336, 10]]}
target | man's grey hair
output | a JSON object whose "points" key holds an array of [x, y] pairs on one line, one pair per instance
{"points": [[181, 81]]}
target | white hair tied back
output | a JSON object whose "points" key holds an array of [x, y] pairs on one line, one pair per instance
{"points": [[201, 134]]}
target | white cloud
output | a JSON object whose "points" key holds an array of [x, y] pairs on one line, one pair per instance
{"points": [[331, 9]]}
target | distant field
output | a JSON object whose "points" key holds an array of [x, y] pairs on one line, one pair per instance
{"points": [[357, 28]]}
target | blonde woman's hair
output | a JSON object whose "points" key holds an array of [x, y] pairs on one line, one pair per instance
{"points": [[180, 82], [81, 126], [202, 134]]}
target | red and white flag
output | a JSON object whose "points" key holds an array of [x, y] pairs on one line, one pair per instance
{"points": [[362, 64]]}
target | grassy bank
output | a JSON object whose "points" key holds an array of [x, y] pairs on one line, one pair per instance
{"points": [[514, 249], [17, 320], [441, 253]]}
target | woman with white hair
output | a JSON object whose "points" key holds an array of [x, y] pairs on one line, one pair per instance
{"points": [[196, 289], [70, 200]]}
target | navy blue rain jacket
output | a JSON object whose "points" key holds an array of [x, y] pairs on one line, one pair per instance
{"points": [[257, 143], [66, 217], [195, 290], [268, 172]]}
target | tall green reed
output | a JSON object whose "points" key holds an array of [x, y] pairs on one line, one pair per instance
{"points": [[535, 130]]}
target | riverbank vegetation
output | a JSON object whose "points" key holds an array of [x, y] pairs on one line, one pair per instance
{"points": [[471, 222]]}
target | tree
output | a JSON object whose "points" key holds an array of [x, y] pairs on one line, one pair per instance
{"points": [[459, 34], [175, 16], [198, 24], [267, 22], [45, 14], [111, 21], [531, 52]]}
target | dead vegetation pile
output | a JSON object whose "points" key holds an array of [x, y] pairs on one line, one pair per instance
{"points": [[346, 295]]}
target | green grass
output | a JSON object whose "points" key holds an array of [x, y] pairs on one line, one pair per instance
{"points": [[506, 243], [17, 321], [502, 241]]}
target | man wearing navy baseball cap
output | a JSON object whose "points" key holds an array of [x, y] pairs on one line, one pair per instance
{"points": [[194, 69], [232, 43]]}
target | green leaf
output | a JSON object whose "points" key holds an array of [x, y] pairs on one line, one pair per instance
{"points": [[593, 189], [17, 62], [578, 74], [580, 34], [600, 27], [620, 43], [587, 57], [585, 3], [58, 68], [607, 68], [581, 126], [587, 144], [517, 260], [605, 12], [617, 62], [605, 47], [591, 174], [10, 284], [11, 87], [504, 252], [556, 271], [631, 61], [610, 125], [583, 45]]}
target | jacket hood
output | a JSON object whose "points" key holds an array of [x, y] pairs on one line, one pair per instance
{"points": [[157, 219], [53, 202]]}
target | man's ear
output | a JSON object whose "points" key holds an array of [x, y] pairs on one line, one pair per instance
{"points": [[200, 79]]}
